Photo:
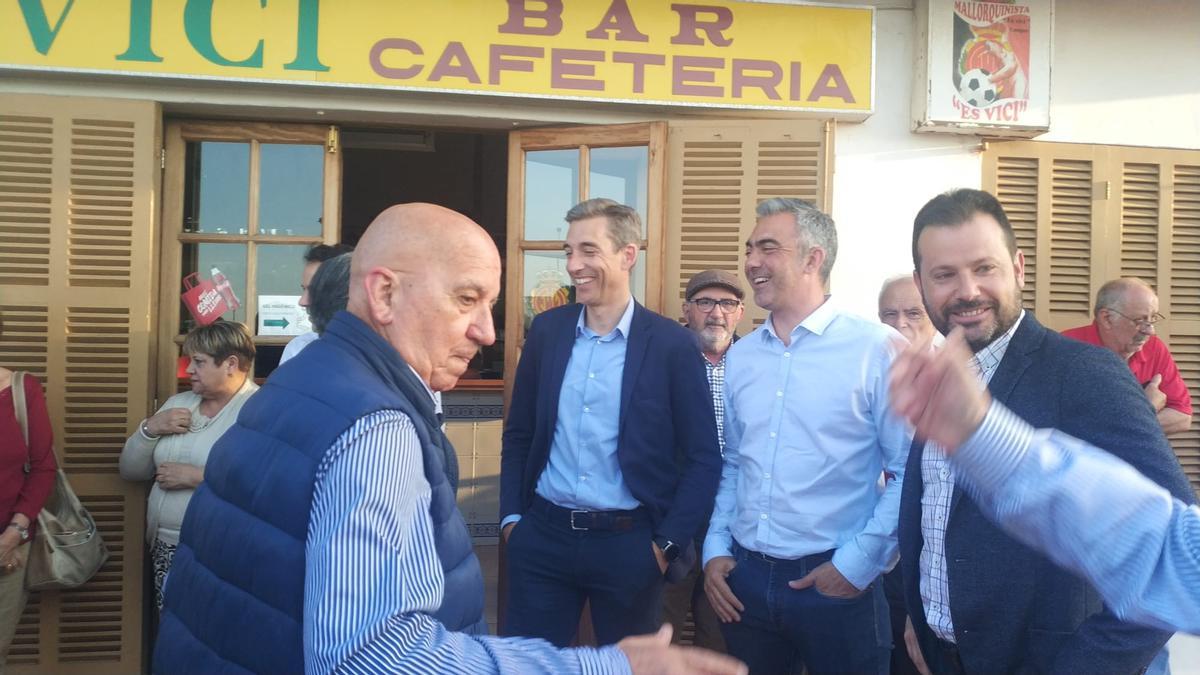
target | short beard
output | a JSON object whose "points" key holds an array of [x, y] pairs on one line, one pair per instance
{"points": [[712, 344], [1006, 316]]}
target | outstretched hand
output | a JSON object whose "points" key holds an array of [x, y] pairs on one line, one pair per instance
{"points": [[654, 655], [937, 392]]}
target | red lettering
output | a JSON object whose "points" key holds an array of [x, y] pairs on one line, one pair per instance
{"points": [[519, 14], [639, 63], [499, 63], [767, 83], [685, 80], [454, 62], [831, 83], [690, 25], [618, 18], [561, 68], [386, 44]]}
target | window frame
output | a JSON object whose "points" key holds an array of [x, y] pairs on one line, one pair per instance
{"points": [[177, 135]]}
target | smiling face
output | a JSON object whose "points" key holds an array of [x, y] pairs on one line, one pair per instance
{"points": [[600, 273], [969, 279], [775, 262]]}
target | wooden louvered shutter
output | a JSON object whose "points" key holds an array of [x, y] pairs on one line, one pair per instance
{"points": [[1056, 209], [1178, 285], [717, 174], [77, 196], [1087, 214]]}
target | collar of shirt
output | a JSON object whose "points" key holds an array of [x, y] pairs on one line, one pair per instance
{"points": [[435, 396], [581, 327], [989, 358], [816, 322]]}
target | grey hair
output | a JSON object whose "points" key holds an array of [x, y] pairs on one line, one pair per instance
{"points": [[329, 291], [813, 227], [624, 223], [1112, 294]]}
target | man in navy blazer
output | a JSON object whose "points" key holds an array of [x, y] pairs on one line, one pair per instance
{"points": [[610, 456], [979, 601]]}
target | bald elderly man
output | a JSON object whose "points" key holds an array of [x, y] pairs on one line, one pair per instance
{"points": [[901, 307], [1125, 314], [325, 536]]}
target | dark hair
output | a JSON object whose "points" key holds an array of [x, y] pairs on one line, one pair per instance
{"points": [[329, 291], [956, 207], [220, 340], [319, 253]]}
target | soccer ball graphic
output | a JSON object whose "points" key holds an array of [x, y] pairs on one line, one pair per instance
{"points": [[976, 89]]}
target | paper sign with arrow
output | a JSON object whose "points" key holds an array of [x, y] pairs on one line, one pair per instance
{"points": [[281, 315]]}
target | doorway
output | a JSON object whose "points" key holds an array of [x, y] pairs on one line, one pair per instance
{"points": [[465, 171]]}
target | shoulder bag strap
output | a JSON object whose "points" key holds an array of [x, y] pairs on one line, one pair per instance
{"points": [[18, 394]]}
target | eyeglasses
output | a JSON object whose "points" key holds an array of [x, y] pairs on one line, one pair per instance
{"points": [[1142, 324], [707, 304]]}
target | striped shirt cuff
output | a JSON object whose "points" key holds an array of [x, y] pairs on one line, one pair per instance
{"points": [[996, 448], [604, 661]]}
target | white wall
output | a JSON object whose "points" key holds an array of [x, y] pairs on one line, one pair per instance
{"points": [[884, 173], [1124, 73]]}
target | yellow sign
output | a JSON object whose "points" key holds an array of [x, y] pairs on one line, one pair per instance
{"points": [[715, 53]]}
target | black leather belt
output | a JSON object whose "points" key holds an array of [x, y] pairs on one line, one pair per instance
{"points": [[583, 520]]}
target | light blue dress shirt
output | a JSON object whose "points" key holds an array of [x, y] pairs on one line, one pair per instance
{"points": [[808, 431], [583, 471], [1090, 512]]}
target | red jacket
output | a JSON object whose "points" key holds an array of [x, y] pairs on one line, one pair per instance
{"points": [[21, 492]]}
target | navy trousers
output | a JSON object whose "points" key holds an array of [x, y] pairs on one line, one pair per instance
{"points": [[553, 569], [783, 630]]}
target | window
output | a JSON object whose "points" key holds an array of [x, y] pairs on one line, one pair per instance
{"points": [[243, 202]]}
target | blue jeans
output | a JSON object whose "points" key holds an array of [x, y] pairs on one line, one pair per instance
{"points": [[782, 630]]}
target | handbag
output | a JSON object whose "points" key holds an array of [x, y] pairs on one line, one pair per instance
{"points": [[203, 299], [67, 549]]}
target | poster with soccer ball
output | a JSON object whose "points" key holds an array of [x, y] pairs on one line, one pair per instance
{"points": [[987, 65], [991, 53]]}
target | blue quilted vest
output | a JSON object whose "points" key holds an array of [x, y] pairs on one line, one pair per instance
{"points": [[235, 594]]}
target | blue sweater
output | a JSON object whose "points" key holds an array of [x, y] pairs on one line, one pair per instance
{"points": [[235, 593]]}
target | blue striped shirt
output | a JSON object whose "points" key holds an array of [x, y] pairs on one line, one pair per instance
{"points": [[373, 576], [1089, 512]]}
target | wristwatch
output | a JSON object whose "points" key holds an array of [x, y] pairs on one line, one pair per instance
{"points": [[670, 549], [22, 531]]}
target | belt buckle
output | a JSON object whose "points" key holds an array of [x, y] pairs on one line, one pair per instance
{"points": [[574, 513]]}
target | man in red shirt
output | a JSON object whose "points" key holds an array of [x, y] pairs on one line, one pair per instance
{"points": [[1125, 315]]}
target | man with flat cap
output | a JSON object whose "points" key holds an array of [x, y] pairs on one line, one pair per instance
{"points": [[712, 309]]}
